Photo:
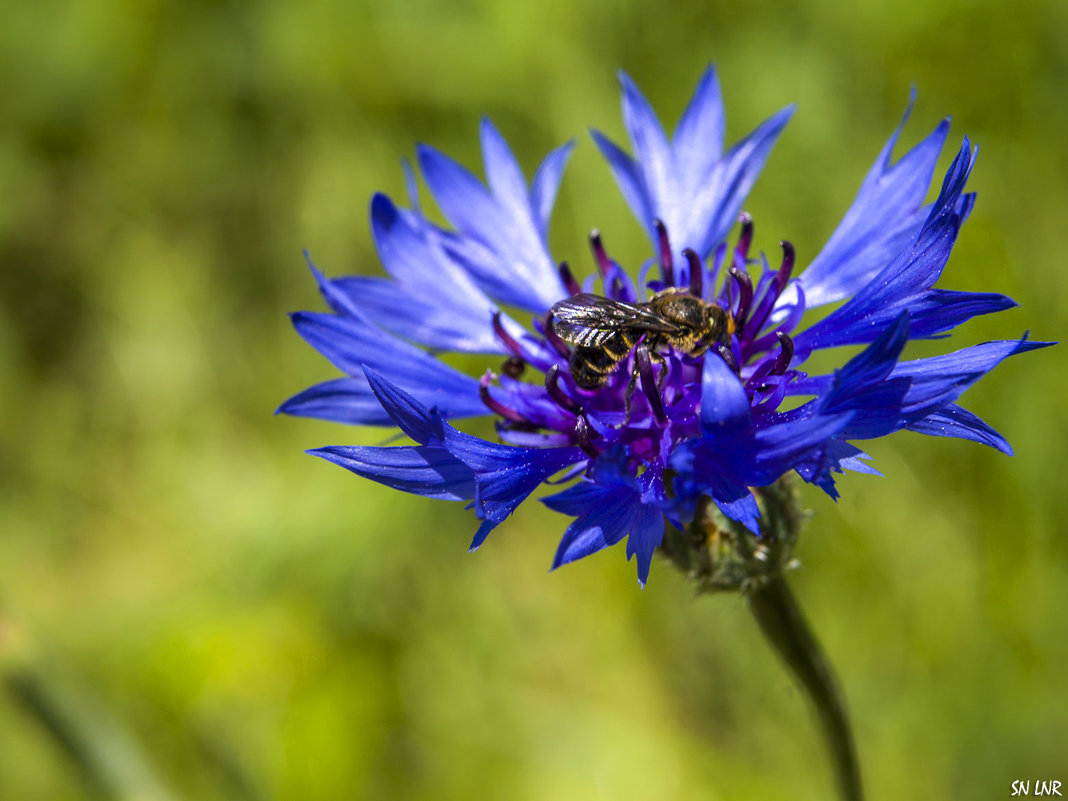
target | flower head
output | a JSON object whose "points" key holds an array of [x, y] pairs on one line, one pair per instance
{"points": [[658, 389]]}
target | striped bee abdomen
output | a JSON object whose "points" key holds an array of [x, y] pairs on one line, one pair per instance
{"points": [[591, 366]]}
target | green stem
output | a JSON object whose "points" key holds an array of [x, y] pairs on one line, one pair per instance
{"points": [[780, 618]]}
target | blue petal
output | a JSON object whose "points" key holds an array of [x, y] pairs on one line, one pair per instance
{"points": [[703, 220], [352, 343], [724, 404], [651, 148], [906, 283], [546, 183], [735, 500], [686, 184], [780, 447], [885, 216], [955, 421], [351, 401], [628, 178], [501, 243], [422, 315], [427, 470], [869, 368], [605, 514], [505, 474], [503, 174], [698, 138], [412, 417]]}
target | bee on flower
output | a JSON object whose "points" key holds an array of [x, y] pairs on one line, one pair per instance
{"points": [[659, 391]]}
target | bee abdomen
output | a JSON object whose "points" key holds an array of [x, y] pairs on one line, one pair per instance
{"points": [[591, 366]]}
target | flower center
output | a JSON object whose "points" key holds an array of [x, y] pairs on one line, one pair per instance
{"points": [[619, 369]]}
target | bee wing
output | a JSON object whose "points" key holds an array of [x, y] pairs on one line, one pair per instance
{"points": [[589, 319]]}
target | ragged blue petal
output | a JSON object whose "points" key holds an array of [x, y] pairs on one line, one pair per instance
{"points": [[955, 421], [702, 220], [501, 239], [427, 470], [352, 344], [906, 283], [606, 511], [686, 184], [350, 400], [885, 216], [698, 138], [546, 183]]}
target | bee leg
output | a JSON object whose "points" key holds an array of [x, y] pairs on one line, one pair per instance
{"points": [[629, 395], [660, 359], [643, 361]]}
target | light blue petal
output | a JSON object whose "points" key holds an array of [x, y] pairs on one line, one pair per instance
{"points": [[352, 344], [546, 183], [885, 216], [702, 220], [698, 138], [423, 314], [629, 180], [651, 149]]}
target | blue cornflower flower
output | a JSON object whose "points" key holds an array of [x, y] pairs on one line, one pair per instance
{"points": [[671, 426]]}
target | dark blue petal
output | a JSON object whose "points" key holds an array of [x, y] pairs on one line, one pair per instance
{"points": [[733, 498], [904, 284], [412, 417], [955, 421], [352, 344], [885, 216], [605, 514], [427, 470], [868, 368], [724, 405], [779, 447], [351, 401], [505, 474]]}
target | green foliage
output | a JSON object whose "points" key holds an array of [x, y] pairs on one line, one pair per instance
{"points": [[260, 624]]}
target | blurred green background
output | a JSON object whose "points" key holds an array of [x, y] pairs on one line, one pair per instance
{"points": [[192, 608]]}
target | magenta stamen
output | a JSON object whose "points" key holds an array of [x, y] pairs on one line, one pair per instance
{"points": [[727, 356], [569, 280], [697, 272], [782, 362], [667, 261], [599, 253], [652, 392], [787, 266], [554, 339], [499, 408], [745, 295], [745, 236], [552, 384], [506, 339]]}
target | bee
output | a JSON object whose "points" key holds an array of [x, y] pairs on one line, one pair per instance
{"points": [[604, 331]]}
